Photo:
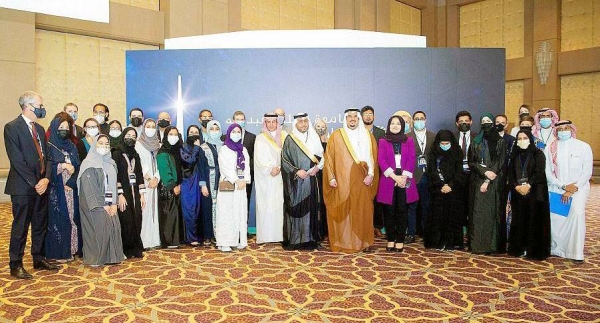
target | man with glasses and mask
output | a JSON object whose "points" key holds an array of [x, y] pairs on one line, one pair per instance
{"points": [[463, 122], [136, 120], [204, 117], [27, 183], [281, 120], [101, 114]]}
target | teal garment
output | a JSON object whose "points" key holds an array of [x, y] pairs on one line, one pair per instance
{"points": [[167, 169]]}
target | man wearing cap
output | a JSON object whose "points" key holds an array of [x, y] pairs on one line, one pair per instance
{"points": [[350, 177], [301, 161], [268, 182], [569, 164]]}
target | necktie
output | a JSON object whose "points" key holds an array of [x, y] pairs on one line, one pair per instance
{"points": [[464, 145], [38, 148]]}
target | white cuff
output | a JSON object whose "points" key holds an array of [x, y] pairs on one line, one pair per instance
{"points": [[407, 174], [388, 172]]}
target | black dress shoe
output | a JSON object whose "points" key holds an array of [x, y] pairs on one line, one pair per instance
{"points": [[409, 239], [44, 265], [20, 273]]}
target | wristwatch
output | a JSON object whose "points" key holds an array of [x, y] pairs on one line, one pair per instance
{"points": [[564, 187]]}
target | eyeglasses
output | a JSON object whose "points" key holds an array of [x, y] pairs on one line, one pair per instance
{"points": [[40, 107], [419, 119]]}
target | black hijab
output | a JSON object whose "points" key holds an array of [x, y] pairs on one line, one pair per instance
{"points": [[123, 148], [454, 151], [395, 138], [190, 139], [172, 150]]}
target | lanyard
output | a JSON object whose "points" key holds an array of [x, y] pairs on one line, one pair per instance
{"points": [[130, 164], [483, 149], [523, 164], [423, 142]]}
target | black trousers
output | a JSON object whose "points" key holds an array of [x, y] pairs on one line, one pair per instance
{"points": [[28, 210], [396, 216]]}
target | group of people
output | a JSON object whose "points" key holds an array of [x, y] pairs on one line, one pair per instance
{"points": [[107, 193]]}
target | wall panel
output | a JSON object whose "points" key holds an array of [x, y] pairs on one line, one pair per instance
{"points": [[404, 19], [580, 24]]}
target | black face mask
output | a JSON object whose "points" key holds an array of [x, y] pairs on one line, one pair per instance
{"points": [[163, 123], [464, 127], [192, 139], [500, 127], [64, 134], [136, 121], [129, 142], [204, 123], [486, 127]]}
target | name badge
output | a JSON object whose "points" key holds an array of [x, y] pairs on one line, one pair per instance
{"points": [[421, 161], [240, 173], [108, 198], [465, 166], [67, 158], [482, 165], [540, 145], [132, 179]]}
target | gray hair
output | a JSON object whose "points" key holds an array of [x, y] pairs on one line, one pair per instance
{"points": [[27, 98]]}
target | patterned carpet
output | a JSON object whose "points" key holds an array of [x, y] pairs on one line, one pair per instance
{"points": [[266, 284]]}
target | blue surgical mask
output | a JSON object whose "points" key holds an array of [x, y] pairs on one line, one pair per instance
{"points": [[419, 125], [564, 135], [235, 137], [214, 135], [280, 120], [73, 115], [241, 123], [445, 147], [406, 128], [40, 112], [545, 122]]}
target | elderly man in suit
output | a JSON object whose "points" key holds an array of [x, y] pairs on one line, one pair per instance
{"points": [[27, 183]]}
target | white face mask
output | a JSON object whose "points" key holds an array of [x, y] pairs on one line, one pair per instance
{"points": [[93, 132], [100, 119], [114, 133], [173, 139], [235, 137], [102, 151], [150, 132], [523, 143]]}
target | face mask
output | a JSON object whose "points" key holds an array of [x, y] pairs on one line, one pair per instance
{"points": [[73, 115], [500, 127], [150, 132], [136, 121], [93, 132], [445, 147], [114, 133], [39, 113], [419, 125], [173, 139], [464, 127], [102, 151], [235, 137], [204, 123], [280, 120], [486, 127], [100, 119], [545, 122], [191, 139], [564, 135], [214, 135], [523, 144], [64, 134], [129, 142], [321, 131], [241, 123], [163, 123], [406, 128]]}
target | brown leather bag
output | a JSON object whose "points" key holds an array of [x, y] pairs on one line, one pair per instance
{"points": [[225, 186]]}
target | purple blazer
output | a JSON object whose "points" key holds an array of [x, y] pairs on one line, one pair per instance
{"points": [[386, 161]]}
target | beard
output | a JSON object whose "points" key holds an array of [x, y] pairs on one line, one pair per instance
{"points": [[368, 123]]}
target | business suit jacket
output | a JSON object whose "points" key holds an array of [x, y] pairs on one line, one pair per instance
{"points": [[79, 133], [429, 139], [25, 167], [378, 133]]}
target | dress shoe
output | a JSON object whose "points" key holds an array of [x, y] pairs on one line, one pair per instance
{"points": [[44, 265], [409, 239], [399, 247], [20, 273]]}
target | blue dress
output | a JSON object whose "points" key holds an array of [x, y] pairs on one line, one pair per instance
{"points": [[63, 238], [190, 191], [209, 177]]}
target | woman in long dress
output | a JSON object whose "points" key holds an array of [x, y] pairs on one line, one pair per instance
{"points": [[530, 225], [63, 238], [190, 185], [232, 206], [486, 156], [444, 224], [100, 226], [169, 189], [131, 189], [147, 147], [209, 180]]}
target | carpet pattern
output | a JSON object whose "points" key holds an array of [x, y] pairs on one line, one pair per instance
{"points": [[264, 283]]}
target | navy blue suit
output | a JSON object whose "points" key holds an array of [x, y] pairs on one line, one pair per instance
{"points": [[28, 207]]}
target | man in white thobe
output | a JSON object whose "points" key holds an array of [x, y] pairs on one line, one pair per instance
{"points": [[569, 164], [268, 182]]}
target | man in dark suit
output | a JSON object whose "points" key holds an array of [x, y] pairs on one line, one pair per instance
{"points": [[27, 183], [423, 139], [102, 115], [465, 137], [73, 110], [248, 139], [367, 113]]}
